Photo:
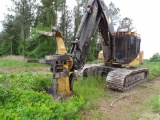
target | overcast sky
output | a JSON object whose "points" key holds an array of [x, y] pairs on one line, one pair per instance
{"points": [[145, 15]]}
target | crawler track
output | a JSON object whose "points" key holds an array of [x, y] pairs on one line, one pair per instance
{"points": [[119, 79], [126, 78]]}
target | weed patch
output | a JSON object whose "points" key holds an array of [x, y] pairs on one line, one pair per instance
{"points": [[20, 99]]}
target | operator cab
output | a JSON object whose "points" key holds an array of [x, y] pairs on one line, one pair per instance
{"points": [[126, 47]]}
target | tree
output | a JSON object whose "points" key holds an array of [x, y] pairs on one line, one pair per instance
{"points": [[77, 18], [47, 12], [19, 36], [78, 13], [6, 34], [27, 14], [38, 46], [10, 34], [127, 23], [24, 14], [115, 13], [4, 46], [155, 58], [65, 25]]}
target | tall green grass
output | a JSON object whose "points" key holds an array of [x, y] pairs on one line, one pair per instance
{"points": [[154, 69], [92, 89]]}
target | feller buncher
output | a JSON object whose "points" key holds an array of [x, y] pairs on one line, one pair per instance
{"points": [[120, 49]]}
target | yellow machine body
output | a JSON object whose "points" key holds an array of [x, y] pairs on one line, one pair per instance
{"points": [[136, 61]]}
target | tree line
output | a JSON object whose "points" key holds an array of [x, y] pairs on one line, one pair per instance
{"points": [[19, 36]]}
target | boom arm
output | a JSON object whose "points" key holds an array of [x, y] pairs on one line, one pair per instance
{"points": [[96, 15]]}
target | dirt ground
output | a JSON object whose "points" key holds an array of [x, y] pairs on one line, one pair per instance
{"points": [[130, 105]]}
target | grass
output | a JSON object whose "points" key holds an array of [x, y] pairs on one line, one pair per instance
{"points": [[17, 61], [20, 99], [15, 64], [155, 103], [93, 90], [154, 69]]}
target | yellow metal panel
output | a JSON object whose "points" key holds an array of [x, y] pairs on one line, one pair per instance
{"points": [[135, 61], [63, 86], [138, 60], [100, 56], [63, 83], [61, 49]]}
